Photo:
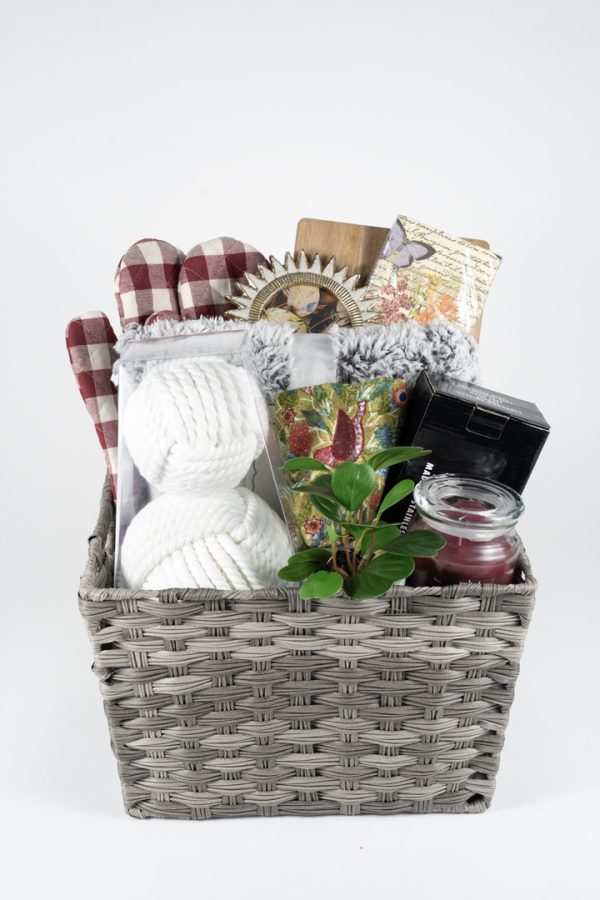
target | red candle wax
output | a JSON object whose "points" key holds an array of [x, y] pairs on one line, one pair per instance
{"points": [[492, 562], [478, 527]]}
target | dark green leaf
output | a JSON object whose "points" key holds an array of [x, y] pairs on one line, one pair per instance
{"points": [[321, 486], [395, 567], [304, 563], [319, 553], [363, 586], [327, 507], [321, 584], [297, 571], [378, 577], [304, 463], [384, 535], [357, 530], [416, 543], [364, 533], [398, 492], [352, 483], [395, 455]]}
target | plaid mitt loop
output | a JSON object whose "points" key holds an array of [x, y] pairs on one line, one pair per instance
{"points": [[90, 344]]}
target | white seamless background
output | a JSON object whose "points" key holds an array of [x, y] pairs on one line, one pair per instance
{"points": [[188, 120]]}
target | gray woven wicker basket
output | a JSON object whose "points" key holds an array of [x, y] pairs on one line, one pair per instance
{"points": [[261, 704]]}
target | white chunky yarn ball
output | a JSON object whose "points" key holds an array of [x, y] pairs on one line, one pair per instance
{"points": [[230, 540], [192, 425]]}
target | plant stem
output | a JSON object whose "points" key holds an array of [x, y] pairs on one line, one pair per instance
{"points": [[370, 555], [334, 564], [349, 560]]}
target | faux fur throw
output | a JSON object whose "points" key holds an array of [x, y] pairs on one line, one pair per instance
{"points": [[353, 354]]}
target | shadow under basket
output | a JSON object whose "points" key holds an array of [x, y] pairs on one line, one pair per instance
{"points": [[261, 704]]}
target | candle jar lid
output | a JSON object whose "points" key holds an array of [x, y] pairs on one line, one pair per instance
{"points": [[472, 508]]}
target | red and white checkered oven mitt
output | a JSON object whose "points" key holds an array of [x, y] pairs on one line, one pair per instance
{"points": [[210, 272], [146, 281], [90, 344]]}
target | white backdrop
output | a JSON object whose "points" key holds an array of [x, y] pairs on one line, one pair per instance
{"points": [[188, 120]]}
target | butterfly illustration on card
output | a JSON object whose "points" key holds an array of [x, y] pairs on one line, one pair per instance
{"points": [[400, 251]]}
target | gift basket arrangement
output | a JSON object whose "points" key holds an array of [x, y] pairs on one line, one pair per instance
{"points": [[305, 592]]}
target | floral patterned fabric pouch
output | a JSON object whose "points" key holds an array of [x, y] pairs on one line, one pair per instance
{"points": [[334, 423]]}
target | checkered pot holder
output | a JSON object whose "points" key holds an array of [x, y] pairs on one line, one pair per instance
{"points": [[146, 281], [210, 272], [90, 344]]}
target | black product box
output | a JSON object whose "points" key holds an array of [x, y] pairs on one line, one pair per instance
{"points": [[470, 431]]}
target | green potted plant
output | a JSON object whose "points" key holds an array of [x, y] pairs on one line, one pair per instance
{"points": [[364, 558]]}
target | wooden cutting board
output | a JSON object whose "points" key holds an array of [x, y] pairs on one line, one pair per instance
{"points": [[355, 246]]}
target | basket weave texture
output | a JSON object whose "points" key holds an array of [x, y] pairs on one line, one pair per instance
{"points": [[259, 703]]}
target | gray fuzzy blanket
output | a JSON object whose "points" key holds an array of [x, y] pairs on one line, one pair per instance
{"points": [[352, 354]]}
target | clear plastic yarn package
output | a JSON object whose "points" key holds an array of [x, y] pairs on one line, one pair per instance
{"points": [[197, 503]]}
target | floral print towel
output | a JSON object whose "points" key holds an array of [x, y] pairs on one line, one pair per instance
{"points": [[335, 423]]}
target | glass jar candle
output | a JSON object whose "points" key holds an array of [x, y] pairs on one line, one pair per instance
{"points": [[477, 519]]}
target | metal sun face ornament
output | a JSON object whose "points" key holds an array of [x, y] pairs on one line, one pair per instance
{"points": [[310, 296]]}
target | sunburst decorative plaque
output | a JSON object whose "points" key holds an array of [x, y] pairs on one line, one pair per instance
{"points": [[312, 296]]}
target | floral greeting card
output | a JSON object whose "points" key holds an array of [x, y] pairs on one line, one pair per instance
{"points": [[423, 274]]}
